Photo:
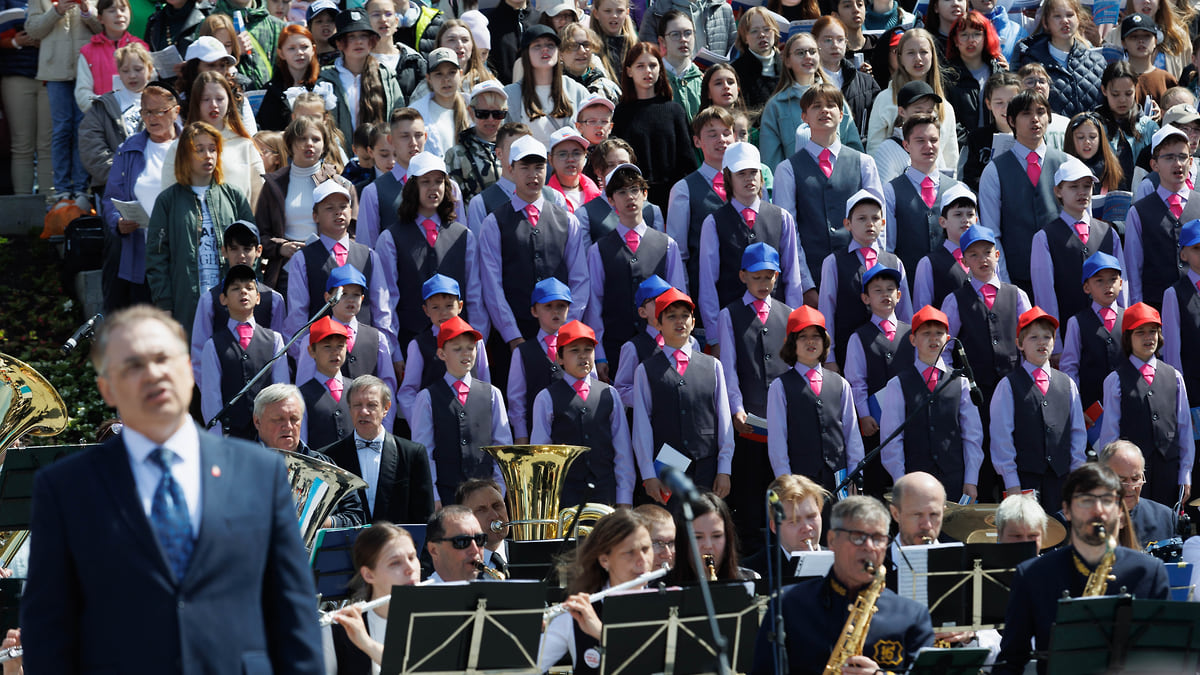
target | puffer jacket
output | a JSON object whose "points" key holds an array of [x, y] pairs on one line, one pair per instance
{"points": [[713, 18], [1074, 87], [62, 37], [859, 89]]}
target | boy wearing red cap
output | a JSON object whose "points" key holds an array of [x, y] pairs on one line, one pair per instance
{"points": [[679, 398], [578, 409], [1181, 316], [945, 437], [1051, 439], [458, 414], [812, 428], [328, 413], [1145, 402]]}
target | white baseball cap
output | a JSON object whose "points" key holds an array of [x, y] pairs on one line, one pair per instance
{"points": [[424, 162], [327, 188], [567, 134], [525, 146], [858, 198], [1072, 170], [209, 50], [1165, 133], [741, 156]]}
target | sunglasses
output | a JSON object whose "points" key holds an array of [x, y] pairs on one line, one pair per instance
{"points": [[490, 114], [463, 541]]}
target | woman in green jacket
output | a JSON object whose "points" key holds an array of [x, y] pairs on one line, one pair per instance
{"points": [[185, 236]]}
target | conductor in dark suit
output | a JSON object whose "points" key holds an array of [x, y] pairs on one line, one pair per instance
{"points": [[399, 488], [167, 549]]}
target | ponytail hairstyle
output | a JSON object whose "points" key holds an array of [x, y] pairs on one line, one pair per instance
{"points": [[372, 103], [368, 545]]}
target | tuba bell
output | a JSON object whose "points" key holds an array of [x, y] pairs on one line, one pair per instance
{"points": [[317, 487], [535, 475]]}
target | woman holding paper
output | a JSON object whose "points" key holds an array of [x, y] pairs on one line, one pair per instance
{"points": [[136, 176]]}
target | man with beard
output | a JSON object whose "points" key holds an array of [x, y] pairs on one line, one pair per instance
{"points": [[1091, 498]]}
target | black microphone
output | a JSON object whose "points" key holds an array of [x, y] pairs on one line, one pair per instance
{"points": [[958, 357], [337, 295], [81, 333], [678, 483]]}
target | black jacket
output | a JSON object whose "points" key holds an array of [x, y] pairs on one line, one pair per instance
{"points": [[506, 25], [860, 91], [169, 26], [756, 87], [405, 490], [964, 94]]}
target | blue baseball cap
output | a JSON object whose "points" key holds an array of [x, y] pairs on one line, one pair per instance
{"points": [[878, 270], [1103, 261], [549, 290], [346, 274], [760, 256], [974, 234], [1189, 234], [246, 225], [439, 283], [650, 289]]}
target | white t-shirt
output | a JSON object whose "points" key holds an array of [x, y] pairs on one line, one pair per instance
{"points": [[149, 183], [208, 258]]}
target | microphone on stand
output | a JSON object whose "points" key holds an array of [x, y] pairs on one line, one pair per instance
{"points": [[82, 333], [958, 357]]}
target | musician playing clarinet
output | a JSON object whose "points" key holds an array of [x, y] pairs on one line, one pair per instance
{"points": [[815, 612]]}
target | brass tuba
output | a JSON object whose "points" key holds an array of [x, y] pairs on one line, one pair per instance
{"points": [[534, 475], [317, 487], [29, 404]]}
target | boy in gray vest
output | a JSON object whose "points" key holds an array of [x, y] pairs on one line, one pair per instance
{"points": [[1092, 340], [327, 417], [942, 271], [502, 190], [912, 199], [535, 363], [1181, 316], [645, 343], [235, 353], [1038, 433]]}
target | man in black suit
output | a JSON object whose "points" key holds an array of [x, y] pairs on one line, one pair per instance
{"points": [[278, 417], [166, 549], [399, 488], [802, 501]]}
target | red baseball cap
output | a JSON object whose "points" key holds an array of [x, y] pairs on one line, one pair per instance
{"points": [[804, 316], [575, 330], [1032, 315], [454, 327], [324, 327], [929, 313], [670, 297], [1139, 314]]}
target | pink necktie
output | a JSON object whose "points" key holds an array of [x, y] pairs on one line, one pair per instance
{"points": [[762, 309], [889, 329], [1189, 183], [431, 231], [582, 388], [1147, 373], [868, 255], [749, 216], [632, 239], [245, 331], [658, 340], [350, 340], [1081, 229], [1176, 205], [719, 184], [1033, 167], [825, 161], [957, 253], [1042, 380], [1110, 317], [681, 361], [931, 377], [339, 253], [814, 380], [335, 388], [989, 294], [928, 191], [531, 213], [551, 347], [462, 389]]}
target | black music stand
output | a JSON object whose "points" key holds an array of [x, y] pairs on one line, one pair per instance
{"points": [[1121, 634], [966, 587], [16, 480], [948, 661], [332, 561], [668, 631], [532, 559], [473, 628]]}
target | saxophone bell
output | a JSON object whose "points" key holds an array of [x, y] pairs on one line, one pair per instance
{"points": [[491, 572]]}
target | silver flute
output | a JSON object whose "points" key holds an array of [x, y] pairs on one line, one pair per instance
{"points": [[11, 653], [554, 610], [327, 618]]}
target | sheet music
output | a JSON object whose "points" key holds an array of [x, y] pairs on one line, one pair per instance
{"points": [[813, 563], [914, 583]]}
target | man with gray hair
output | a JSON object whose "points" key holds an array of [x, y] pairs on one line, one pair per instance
{"points": [[815, 611], [399, 487], [1151, 521], [278, 414], [1020, 518]]}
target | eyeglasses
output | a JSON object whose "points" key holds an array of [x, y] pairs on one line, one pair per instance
{"points": [[156, 113], [1089, 501], [490, 114], [463, 541], [859, 538], [1133, 481], [663, 546], [803, 52], [575, 46], [970, 36], [678, 35], [564, 155], [831, 41], [761, 32], [1172, 158], [595, 123]]}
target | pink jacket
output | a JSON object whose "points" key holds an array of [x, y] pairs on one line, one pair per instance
{"points": [[586, 185], [99, 55]]}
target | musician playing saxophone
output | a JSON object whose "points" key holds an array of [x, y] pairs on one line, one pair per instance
{"points": [[717, 540], [455, 543], [1091, 501], [815, 612]]}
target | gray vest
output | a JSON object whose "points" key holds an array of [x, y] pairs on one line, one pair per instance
{"points": [[602, 219], [820, 204], [1042, 436], [1067, 253], [459, 432], [1022, 207], [933, 438], [540, 371], [683, 411], [885, 359], [1148, 410], [758, 345], [328, 420], [1099, 353], [587, 423], [624, 271], [388, 190], [989, 336], [1189, 334], [319, 262], [811, 419], [365, 357], [1160, 244], [530, 254], [733, 236], [702, 202], [238, 366], [851, 313], [417, 261], [948, 275], [918, 232]]}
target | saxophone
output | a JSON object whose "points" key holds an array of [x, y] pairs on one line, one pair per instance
{"points": [[710, 564], [854, 633], [1097, 583]]}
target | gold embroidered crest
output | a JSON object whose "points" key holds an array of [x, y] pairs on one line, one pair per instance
{"points": [[888, 653]]}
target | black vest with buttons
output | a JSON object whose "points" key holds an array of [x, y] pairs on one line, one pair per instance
{"points": [[1189, 334], [387, 193], [624, 271], [602, 219], [811, 418], [328, 420], [933, 437], [540, 371], [239, 366], [989, 336], [918, 231], [1067, 253], [758, 362], [1023, 206], [644, 346], [459, 432], [432, 368], [587, 423], [684, 416], [702, 201], [851, 312], [820, 204], [1042, 432], [1161, 265], [1099, 353], [948, 275], [885, 358], [319, 262], [733, 236], [1148, 410], [494, 197], [365, 357], [416, 261], [263, 311], [530, 254]]}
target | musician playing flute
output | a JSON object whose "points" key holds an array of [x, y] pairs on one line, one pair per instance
{"points": [[815, 612]]}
